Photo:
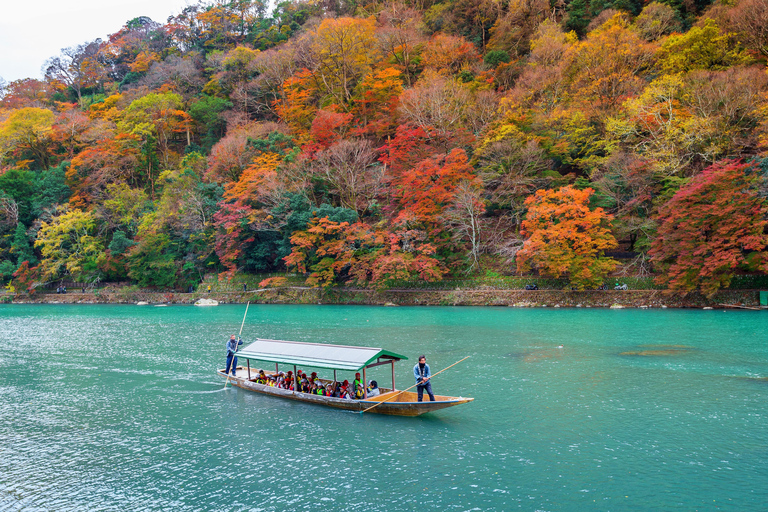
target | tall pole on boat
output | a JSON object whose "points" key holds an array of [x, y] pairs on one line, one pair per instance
{"points": [[234, 370], [418, 383]]}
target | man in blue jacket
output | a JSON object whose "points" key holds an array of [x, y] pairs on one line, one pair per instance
{"points": [[232, 345], [422, 374]]}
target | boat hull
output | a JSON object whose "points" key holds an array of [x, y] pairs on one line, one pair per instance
{"points": [[394, 403]]}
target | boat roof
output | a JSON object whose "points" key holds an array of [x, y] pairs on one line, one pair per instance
{"points": [[319, 355]]}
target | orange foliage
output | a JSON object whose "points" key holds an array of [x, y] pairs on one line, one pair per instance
{"points": [[333, 250], [296, 108], [566, 237], [449, 53]]}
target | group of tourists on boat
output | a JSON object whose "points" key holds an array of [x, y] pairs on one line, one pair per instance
{"points": [[302, 382], [313, 385]]}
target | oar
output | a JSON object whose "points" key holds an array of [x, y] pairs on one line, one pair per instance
{"points": [[232, 370], [418, 384]]}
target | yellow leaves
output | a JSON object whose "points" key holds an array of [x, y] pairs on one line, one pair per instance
{"points": [[550, 43], [68, 243], [701, 48], [345, 49], [239, 58], [605, 68], [25, 126], [28, 128], [143, 60], [108, 109]]}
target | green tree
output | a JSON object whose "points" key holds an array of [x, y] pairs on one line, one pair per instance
{"points": [[20, 186], [21, 248], [120, 243]]}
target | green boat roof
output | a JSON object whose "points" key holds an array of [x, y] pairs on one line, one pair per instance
{"points": [[319, 355]]}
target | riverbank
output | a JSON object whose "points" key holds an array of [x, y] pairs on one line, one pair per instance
{"points": [[456, 297]]}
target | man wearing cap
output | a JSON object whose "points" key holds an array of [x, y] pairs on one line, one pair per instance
{"points": [[422, 374], [232, 345]]}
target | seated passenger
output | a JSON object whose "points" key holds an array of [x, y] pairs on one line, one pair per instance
{"points": [[345, 392], [336, 390], [373, 388], [359, 392]]}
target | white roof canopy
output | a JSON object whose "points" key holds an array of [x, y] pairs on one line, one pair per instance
{"points": [[338, 357]]}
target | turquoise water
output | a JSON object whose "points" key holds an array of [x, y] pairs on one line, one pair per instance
{"points": [[118, 408]]}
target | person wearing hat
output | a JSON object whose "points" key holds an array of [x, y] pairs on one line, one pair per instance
{"points": [[373, 388], [357, 382], [422, 374], [344, 391], [232, 345]]}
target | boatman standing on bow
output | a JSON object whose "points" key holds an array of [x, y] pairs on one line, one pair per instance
{"points": [[422, 374], [232, 345]]}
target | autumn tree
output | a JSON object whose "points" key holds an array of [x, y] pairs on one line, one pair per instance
{"points": [[376, 100], [565, 237], [336, 251], [681, 123], [422, 194], [28, 129], [449, 54], [703, 47], [712, 226], [344, 50], [607, 65], [656, 20], [750, 17], [231, 155], [157, 119], [78, 67], [464, 219], [349, 172], [401, 38], [69, 130], [112, 159], [69, 245]]}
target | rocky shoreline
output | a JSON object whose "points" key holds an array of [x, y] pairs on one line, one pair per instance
{"points": [[458, 297]]}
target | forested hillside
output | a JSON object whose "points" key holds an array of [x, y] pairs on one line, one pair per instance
{"points": [[381, 142]]}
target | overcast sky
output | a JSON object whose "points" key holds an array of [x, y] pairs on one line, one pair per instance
{"points": [[31, 31]]}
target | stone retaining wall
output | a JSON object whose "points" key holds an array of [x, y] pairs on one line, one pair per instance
{"points": [[458, 297]]}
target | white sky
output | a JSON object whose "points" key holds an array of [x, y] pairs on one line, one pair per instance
{"points": [[31, 31]]}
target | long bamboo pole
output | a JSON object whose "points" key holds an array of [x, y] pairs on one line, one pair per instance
{"points": [[403, 391], [234, 369]]}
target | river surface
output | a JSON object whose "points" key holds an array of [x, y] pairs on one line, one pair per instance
{"points": [[118, 408]]}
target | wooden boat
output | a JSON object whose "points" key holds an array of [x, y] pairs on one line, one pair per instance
{"points": [[333, 357]]}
